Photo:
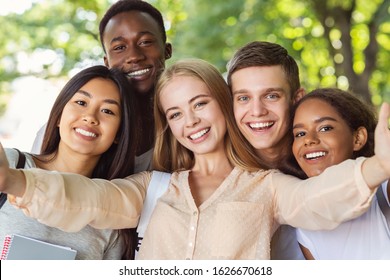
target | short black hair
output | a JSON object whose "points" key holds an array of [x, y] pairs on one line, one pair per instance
{"points": [[131, 5]]}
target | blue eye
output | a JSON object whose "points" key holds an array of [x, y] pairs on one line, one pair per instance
{"points": [[173, 116], [243, 98], [200, 104], [272, 96]]}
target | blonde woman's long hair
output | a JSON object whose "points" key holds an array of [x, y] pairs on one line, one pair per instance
{"points": [[169, 155]]}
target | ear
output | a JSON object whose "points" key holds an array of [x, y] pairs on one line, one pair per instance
{"points": [[359, 138], [106, 61], [168, 50], [298, 95]]}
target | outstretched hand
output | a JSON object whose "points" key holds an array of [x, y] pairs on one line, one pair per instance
{"points": [[382, 138], [4, 169]]}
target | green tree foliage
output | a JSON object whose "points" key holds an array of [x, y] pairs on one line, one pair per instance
{"points": [[50, 39]]}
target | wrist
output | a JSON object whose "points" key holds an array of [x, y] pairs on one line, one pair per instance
{"points": [[15, 183]]}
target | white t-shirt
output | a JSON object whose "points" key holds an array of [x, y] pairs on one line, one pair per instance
{"points": [[36, 147], [364, 238]]}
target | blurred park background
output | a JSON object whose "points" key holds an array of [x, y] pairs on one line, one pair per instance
{"points": [[342, 43]]}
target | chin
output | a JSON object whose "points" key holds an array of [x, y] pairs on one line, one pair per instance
{"points": [[314, 173], [145, 91]]}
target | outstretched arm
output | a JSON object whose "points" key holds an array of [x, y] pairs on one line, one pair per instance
{"points": [[342, 192], [71, 201]]}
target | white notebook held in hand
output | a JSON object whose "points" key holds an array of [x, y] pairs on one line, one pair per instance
{"points": [[19, 247]]}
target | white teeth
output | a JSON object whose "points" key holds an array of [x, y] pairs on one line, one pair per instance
{"points": [[315, 155], [261, 125], [85, 133], [138, 73], [199, 134]]}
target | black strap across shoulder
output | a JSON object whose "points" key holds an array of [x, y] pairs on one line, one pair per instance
{"points": [[383, 204], [19, 165], [21, 160], [3, 199]]}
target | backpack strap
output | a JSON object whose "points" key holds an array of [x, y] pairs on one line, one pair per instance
{"points": [[19, 165], [158, 185], [21, 160], [3, 199], [384, 206]]}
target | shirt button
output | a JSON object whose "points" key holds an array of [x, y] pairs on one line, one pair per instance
{"points": [[192, 228], [195, 213], [187, 259], [190, 244]]}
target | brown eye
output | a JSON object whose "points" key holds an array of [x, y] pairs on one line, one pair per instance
{"points": [[80, 102], [107, 111]]}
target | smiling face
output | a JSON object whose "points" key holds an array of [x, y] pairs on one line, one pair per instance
{"points": [[261, 97], [322, 138], [90, 120], [193, 115], [134, 44]]}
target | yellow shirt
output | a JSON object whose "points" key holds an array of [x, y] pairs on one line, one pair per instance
{"points": [[236, 222]]}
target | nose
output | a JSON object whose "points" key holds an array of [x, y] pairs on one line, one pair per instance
{"points": [[134, 54], [192, 119], [90, 118], [258, 108], [311, 139]]}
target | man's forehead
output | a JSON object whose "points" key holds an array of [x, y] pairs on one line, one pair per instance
{"points": [[260, 75], [132, 21]]}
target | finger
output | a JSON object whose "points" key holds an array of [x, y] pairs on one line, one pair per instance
{"points": [[384, 115]]}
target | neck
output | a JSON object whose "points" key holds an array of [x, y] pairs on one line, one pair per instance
{"points": [[274, 155], [270, 156], [207, 175], [213, 163], [145, 124]]}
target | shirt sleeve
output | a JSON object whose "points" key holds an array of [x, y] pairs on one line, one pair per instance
{"points": [[70, 201], [322, 202]]}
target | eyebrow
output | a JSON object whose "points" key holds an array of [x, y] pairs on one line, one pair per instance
{"points": [[121, 38], [109, 101], [320, 120], [189, 102], [268, 90]]}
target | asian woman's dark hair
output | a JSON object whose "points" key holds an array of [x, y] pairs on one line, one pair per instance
{"points": [[118, 160]]}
